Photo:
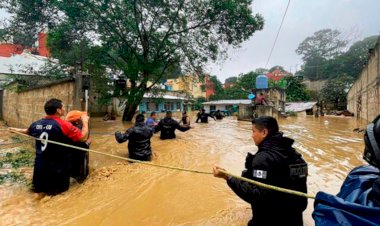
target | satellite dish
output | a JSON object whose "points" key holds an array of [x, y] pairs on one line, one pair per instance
{"points": [[251, 96]]}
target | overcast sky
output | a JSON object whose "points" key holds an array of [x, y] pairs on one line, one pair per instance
{"points": [[356, 18], [361, 18]]}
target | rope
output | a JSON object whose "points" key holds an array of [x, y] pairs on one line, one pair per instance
{"points": [[259, 184], [115, 156]]}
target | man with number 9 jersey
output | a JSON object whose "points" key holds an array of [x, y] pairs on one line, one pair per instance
{"points": [[51, 173]]}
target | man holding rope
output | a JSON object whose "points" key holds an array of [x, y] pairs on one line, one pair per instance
{"points": [[275, 163], [51, 173]]}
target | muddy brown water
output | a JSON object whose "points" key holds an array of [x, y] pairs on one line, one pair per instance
{"points": [[119, 193]]}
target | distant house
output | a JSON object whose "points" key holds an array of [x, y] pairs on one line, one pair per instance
{"points": [[19, 60], [40, 49], [309, 108], [276, 75], [20, 64], [162, 103], [229, 105]]}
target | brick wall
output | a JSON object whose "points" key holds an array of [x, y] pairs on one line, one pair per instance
{"points": [[23, 108], [363, 98]]}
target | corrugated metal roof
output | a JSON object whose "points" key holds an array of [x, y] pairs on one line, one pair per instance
{"points": [[298, 106], [228, 102], [22, 64]]}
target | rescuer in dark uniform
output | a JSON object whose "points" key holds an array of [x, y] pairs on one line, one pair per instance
{"points": [[203, 116], [218, 115], [275, 163], [185, 120], [139, 139], [372, 154], [167, 126], [51, 173]]}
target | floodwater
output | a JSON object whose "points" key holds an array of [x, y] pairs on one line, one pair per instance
{"points": [[120, 193]]}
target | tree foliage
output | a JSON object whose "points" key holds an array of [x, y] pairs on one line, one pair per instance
{"points": [[335, 91], [231, 80], [218, 88], [242, 87], [198, 103], [325, 44], [324, 56], [357, 55], [295, 89], [318, 49], [144, 39]]}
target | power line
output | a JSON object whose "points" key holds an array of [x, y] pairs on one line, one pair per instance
{"points": [[278, 32]]}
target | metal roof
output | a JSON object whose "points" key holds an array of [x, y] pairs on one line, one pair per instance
{"points": [[298, 106], [165, 97], [228, 102], [22, 64]]}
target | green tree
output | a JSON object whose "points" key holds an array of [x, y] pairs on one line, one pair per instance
{"points": [[198, 103], [243, 86], [231, 80], [351, 62], [218, 88], [315, 50], [325, 43], [295, 90], [144, 39], [29, 17], [335, 91], [357, 55]]}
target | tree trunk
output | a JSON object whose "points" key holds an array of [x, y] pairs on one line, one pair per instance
{"points": [[134, 99]]}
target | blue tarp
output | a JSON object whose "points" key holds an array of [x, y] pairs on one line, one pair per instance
{"points": [[353, 205]]}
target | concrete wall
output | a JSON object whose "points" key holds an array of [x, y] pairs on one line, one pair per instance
{"points": [[263, 110], [274, 97], [23, 108], [245, 112], [363, 98]]}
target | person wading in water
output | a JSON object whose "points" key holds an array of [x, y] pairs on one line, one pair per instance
{"points": [[51, 174], [185, 119], [139, 139], [203, 116], [167, 126], [276, 163]]}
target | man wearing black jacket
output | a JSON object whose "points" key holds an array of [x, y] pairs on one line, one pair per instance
{"points": [[139, 140], [203, 116], [167, 126], [275, 163]]}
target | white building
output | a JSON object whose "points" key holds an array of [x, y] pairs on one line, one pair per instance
{"points": [[20, 64], [230, 105]]}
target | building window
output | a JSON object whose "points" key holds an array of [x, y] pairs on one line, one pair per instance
{"points": [[212, 107], [151, 106], [169, 106]]}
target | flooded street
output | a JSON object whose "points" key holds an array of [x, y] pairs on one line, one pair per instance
{"points": [[120, 193]]}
